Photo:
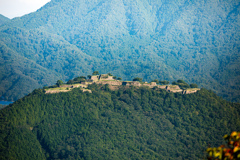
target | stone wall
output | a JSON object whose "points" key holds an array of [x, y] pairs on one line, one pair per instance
{"points": [[176, 91], [136, 83], [114, 83], [94, 78], [55, 91], [74, 86], [189, 91], [151, 85], [131, 83], [105, 77], [52, 91], [86, 83], [89, 80], [162, 86], [86, 90], [173, 88], [126, 83]]}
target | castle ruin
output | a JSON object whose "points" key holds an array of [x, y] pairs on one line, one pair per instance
{"points": [[107, 79]]}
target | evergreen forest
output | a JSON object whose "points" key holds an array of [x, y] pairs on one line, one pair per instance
{"points": [[193, 40], [127, 123]]}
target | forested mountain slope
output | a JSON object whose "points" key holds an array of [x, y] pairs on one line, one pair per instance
{"points": [[128, 123], [192, 40], [37, 59], [3, 19]]}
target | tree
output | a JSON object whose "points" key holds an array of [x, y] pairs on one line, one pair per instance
{"points": [[183, 85], [226, 152], [59, 83], [155, 80], [119, 78], [45, 87], [174, 83], [164, 82], [83, 77], [193, 85], [137, 79], [80, 79], [110, 74], [89, 76], [180, 81], [95, 73], [70, 82]]}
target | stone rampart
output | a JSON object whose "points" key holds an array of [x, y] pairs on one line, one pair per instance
{"points": [[86, 90], [131, 83], [105, 77], [173, 88], [162, 86], [86, 83], [114, 83], [55, 91], [94, 78], [189, 91], [74, 86], [151, 85]]}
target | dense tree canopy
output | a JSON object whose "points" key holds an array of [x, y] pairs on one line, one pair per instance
{"points": [[164, 82], [193, 85], [138, 79], [59, 83], [95, 73], [127, 123], [165, 40], [155, 80]]}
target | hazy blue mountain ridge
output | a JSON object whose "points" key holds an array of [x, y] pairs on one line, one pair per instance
{"points": [[192, 40], [3, 19], [36, 59]]}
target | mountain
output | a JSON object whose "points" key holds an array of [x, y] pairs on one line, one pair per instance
{"points": [[191, 40], [3, 19], [124, 123], [38, 59]]}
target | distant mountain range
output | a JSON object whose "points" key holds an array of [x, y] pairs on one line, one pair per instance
{"points": [[195, 41], [3, 19]]}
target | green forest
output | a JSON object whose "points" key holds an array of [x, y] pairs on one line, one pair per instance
{"points": [[197, 41], [127, 123]]}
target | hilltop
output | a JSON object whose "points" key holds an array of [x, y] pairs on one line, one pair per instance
{"points": [[196, 41], [130, 122], [3, 19], [114, 83]]}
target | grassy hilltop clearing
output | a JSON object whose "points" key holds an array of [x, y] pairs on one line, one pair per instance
{"points": [[197, 41], [115, 122]]}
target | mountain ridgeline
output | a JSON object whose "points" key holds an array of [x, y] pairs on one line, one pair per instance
{"points": [[197, 41], [3, 19], [129, 122]]}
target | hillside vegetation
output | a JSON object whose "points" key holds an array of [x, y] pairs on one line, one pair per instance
{"points": [[197, 41], [128, 123], [3, 19]]}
